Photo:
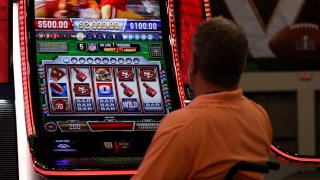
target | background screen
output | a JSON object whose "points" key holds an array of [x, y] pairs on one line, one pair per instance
{"points": [[283, 34], [100, 65]]}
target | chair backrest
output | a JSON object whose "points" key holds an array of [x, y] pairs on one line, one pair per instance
{"points": [[251, 166]]}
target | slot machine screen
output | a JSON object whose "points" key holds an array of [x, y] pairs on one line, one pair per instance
{"points": [[100, 67], [102, 78]]}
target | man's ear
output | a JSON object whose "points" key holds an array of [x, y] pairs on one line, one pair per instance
{"points": [[194, 64]]}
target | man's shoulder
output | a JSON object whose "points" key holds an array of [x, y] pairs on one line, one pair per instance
{"points": [[181, 118], [258, 107]]}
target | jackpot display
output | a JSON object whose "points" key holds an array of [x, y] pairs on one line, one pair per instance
{"points": [[101, 66]]}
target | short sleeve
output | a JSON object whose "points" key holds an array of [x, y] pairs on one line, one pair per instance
{"points": [[168, 156]]}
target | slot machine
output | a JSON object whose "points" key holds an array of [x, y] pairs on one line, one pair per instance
{"points": [[192, 12], [97, 78]]}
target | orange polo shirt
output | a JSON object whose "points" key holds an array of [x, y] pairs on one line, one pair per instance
{"points": [[205, 139]]}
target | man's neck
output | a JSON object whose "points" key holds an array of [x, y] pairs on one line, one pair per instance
{"points": [[208, 88]]}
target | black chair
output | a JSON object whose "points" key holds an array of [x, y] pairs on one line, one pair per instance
{"points": [[250, 166]]}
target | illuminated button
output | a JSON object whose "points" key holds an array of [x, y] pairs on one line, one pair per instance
{"points": [[74, 60], [43, 88], [82, 60], [109, 36], [41, 73], [44, 109], [97, 60], [128, 60], [69, 36], [62, 36], [168, 101], [66, 60], [50, 127], [143, 37], [165, 88], [80, 36], [136, 60], [163, 79], [105, 60], [113, 60], [40, 66], [40, 35], [90, 60], [156, 37], [108, 145], [55, 35], [163, 72], [119, 36], [48, 36], [63, 146], [121, 60], [166, 96], [125, 36], [150, 37], [163, 75], [130, 36], [89, 36], [99, 36], [137, 37]]}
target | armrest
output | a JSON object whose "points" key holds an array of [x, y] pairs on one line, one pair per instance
{"points": [[251, 166]]}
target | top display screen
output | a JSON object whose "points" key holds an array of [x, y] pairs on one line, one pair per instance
{"points": [[101, 65]]}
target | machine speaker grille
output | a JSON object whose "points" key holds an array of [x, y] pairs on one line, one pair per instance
{"points": [[8, 141]]}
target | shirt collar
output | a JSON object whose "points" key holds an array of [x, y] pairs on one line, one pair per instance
{"points": [[218, 97]]}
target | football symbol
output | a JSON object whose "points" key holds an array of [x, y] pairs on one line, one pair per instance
{"points": [[56, 88], [297, 42]]}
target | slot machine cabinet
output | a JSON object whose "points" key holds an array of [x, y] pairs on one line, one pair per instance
{"points": [[5, 42], [95, 89], [191, 13]]}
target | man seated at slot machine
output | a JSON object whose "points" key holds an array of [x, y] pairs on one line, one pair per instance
{"points": [[220, 127]]}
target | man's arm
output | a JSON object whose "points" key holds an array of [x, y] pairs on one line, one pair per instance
{"points": [[168, 157]]}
